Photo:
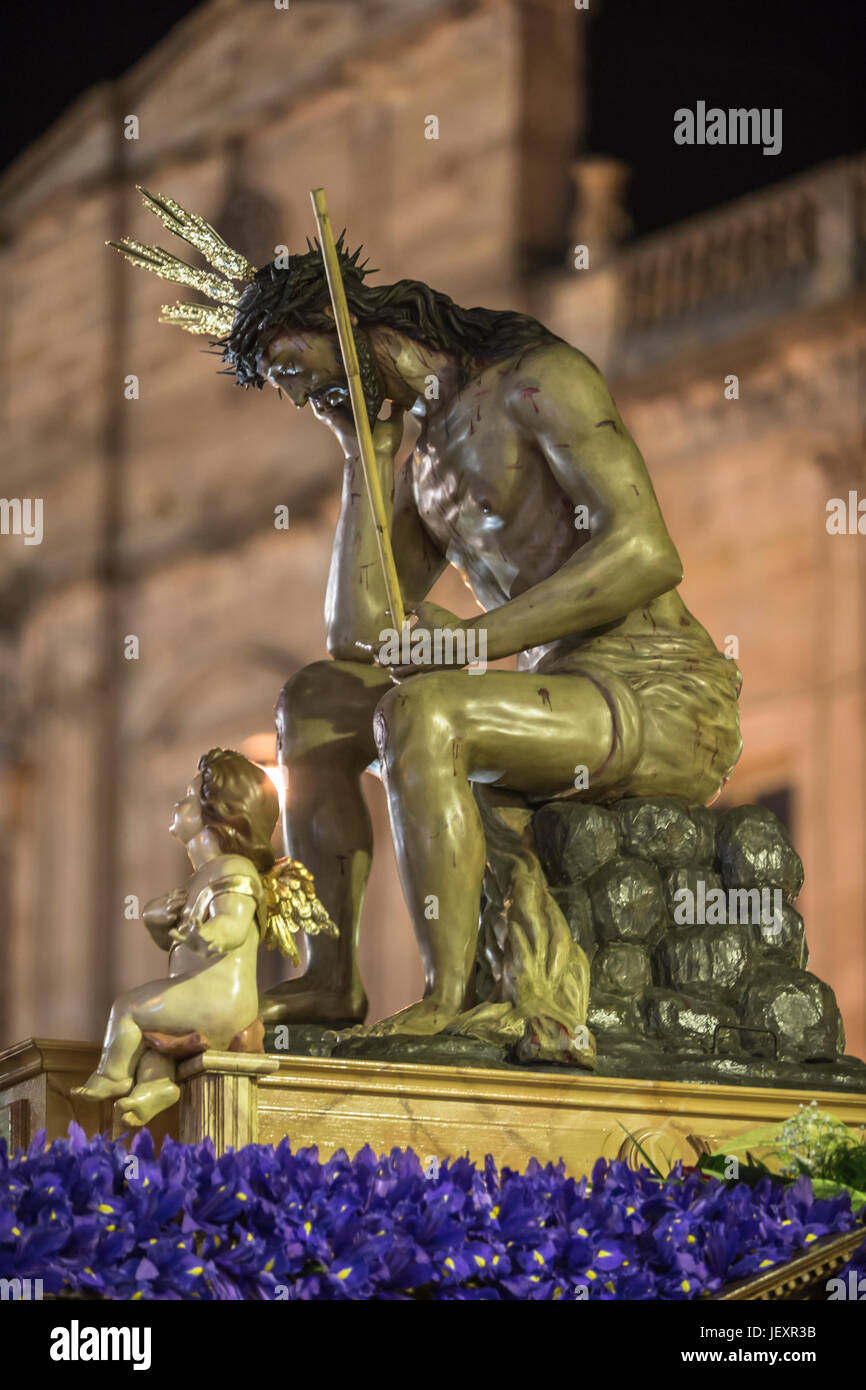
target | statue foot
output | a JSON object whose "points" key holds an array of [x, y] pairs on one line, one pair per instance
{"points": [[149, 1098], [99, 1087], [305, 1001], [426, 1017]]}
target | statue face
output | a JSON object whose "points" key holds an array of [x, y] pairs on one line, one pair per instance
{"points": [[186, 821], [303, 364]]}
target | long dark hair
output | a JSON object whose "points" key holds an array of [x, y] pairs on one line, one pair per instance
{"points": [[297, 296]]}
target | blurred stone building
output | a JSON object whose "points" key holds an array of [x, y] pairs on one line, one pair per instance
{"points": [[159, 510]]}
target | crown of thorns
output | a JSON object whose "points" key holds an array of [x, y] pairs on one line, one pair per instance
{"points": [[231, 273]]}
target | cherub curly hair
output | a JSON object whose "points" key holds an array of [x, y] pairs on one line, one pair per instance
{"points": [[239, 804]]}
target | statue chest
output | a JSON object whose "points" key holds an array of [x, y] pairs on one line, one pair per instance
{"points": [[486, 496]]}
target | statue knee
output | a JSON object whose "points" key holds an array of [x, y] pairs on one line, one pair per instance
{"points": [[413, 716], [302, 700], [122, 1005]]}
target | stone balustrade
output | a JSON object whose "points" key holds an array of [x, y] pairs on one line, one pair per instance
{"points": [[797, 245]]}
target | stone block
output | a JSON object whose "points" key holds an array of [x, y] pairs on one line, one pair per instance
{"points": [[784, 938], [574, 840], [662, 988], [706, 960], [667, 831], [799, 1008], [688, 877], [614, 1016], [687, 1022], [574, 904], [753, 851], [627, 901], [621, 967]]}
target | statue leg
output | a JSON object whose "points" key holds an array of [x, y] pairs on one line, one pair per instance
{"points": [[325, 741], [174, 1003], [121, 1050], [436, 734], [155, 1090]]}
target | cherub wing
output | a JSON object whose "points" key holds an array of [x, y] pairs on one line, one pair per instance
{"points": [[290, 905]]}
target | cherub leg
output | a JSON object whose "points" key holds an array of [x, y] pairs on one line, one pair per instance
{"points": [[123, 1045], [155, 1090]]}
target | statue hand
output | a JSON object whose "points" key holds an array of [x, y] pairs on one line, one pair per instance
{"points": [[333, 409], [445, 654], [164, 910], [162, 913], [192, 939], [387, 435]]}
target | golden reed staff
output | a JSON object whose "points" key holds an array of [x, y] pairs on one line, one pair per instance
{"points": [[359, 406]]}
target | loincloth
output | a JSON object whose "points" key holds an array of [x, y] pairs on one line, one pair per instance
{"points": [[674, 706]]}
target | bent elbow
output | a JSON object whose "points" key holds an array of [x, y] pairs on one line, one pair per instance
{"points": [[673, 570], [661, 566], [341, 648], [338, 649]]}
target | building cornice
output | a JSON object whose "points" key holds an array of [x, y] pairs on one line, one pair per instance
{"points": [[23, 186]]}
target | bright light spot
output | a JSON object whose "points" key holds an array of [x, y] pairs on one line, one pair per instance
{"points": [[262, 749], [280, 778]]}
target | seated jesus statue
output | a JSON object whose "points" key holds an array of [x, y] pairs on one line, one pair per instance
{"points": [[525, 478]]}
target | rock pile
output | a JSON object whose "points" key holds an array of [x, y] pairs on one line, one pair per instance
{"points": [[687, 918]]}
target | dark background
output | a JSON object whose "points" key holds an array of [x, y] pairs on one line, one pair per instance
{"points": [[651, 56], [648, 57]]}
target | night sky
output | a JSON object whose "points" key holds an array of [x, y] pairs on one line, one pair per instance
{"points": [[648, 58]]}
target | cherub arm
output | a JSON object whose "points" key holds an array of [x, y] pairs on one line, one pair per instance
{"points": [[229, 923], [225, 907], [224, 930], [161, 914]]}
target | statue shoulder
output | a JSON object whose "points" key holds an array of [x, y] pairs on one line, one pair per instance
{"points": [[556, 382], [555, 364], [231, 873]]}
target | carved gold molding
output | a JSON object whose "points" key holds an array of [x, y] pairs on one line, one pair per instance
{"points": [[801, 1279]]}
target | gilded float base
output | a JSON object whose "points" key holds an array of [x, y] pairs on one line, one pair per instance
{"points": [[439, 1111], [442, 1111]]}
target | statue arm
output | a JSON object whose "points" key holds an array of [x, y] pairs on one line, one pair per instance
{"points": [[223, 910], [161, 914], [561, 403], [229, 924], [225, 929], [418, 558], [356, 609]]}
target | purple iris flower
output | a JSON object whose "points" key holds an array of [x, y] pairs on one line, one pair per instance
{"points": [[268, 1222]]}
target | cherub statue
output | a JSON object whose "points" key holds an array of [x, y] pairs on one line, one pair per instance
{"points": [[238, 897]]}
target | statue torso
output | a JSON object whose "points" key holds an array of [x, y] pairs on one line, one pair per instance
{"points": [[228, 873], [485, 493]]}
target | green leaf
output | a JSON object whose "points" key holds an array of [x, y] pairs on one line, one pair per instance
{"points": [[750, 1172], [644, 1155], [762, 1137], [823, 1187], [712, 1163], [757, 1164]]}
